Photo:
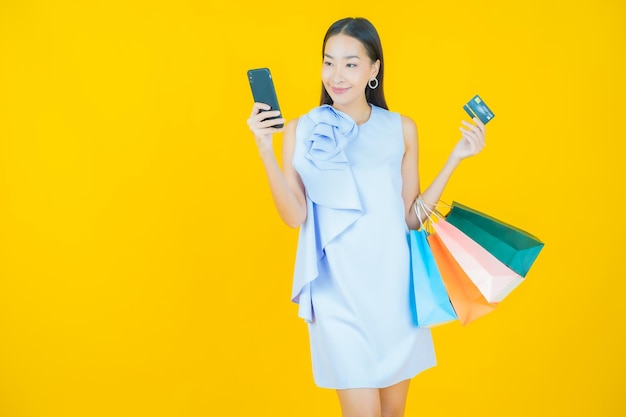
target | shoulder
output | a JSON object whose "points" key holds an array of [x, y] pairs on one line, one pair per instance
{"points": [[409, 130], [289, 132], [291, 125], [408, 125]]}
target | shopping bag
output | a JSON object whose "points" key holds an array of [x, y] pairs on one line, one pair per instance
{"points": [[493, 278], [514, 247], [466, 298], [431, 304]]}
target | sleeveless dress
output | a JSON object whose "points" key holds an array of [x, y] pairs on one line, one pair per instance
{"points": [[352, 271]]}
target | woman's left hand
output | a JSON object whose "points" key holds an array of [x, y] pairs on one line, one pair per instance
{"points": [[472, 140]]}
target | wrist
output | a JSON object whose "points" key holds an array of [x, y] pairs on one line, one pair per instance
{"points": [[267, 154], [453, 161]]}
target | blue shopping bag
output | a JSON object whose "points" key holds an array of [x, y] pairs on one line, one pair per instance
{"points": [[430, 302]]}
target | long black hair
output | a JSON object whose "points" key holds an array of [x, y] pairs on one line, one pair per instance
{"points": [[362, 30]]}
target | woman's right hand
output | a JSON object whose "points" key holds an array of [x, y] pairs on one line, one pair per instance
{"points": [[262, 127]]}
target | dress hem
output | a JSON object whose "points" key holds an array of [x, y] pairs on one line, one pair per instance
{"points": [[375, 386]]}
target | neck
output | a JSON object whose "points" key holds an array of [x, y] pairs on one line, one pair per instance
{"points": [[359, 112]]}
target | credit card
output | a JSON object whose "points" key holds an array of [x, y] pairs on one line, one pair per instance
{"points": [[476, 107]]}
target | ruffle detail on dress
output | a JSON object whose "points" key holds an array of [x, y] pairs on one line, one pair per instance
{"points": [[333, 201], [332, 131]]}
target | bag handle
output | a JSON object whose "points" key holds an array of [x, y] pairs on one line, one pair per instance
{"points": [[418, 207], [430, 212], [445, 204], [417, 210]]}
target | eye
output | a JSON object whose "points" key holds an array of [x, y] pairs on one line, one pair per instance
{"points": [[328, 64], [351, 65]]}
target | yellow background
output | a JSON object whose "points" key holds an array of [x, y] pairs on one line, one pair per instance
{"points": [[144, 271]]}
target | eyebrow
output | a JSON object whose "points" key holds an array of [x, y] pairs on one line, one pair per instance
{"points": [[345, 57]]}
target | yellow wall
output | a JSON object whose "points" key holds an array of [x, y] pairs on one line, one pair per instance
{"points": [[144, 271]]}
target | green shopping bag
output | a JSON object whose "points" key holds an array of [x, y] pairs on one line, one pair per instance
{"points": [[514, 247]]}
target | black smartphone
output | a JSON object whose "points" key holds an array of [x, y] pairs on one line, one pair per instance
{"points": [[263, 89]]}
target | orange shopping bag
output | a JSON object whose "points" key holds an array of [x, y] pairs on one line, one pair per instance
{"points": [[466, 298]]}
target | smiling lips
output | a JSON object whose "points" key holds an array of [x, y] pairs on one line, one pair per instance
{"points": [[338, 90]]}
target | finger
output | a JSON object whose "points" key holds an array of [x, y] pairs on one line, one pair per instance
{"points": [[479, 131], [474, 139], [257, 107], [474, 128], [469, 132], [468, 127], [270, 123], [470, 140], [475, 145], [262, 116], [479, 124], [268, 114], [267, 131]]}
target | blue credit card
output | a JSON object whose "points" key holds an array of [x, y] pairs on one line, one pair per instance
{"points": [[476, 107]]}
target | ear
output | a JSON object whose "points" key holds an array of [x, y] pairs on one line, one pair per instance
{"points": [[375, 68]]}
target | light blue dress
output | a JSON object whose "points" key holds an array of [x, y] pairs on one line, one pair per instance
{"points": [[352, 272]]}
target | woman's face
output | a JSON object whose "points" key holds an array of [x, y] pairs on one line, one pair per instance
{"points": [[346, 69]]}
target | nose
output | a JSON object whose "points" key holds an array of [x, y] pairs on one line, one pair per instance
{"points": [[337, 75]]}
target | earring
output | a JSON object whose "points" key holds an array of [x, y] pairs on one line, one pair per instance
{"points": [[369, 83]]}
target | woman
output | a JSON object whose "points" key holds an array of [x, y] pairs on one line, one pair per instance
{"points": [[349, 181]]}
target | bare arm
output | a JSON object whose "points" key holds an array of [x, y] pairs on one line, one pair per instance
{"points": [[286, 186], [410, 172], [472, 142]]}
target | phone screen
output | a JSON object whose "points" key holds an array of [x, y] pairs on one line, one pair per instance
{"points": [[263, 90]]}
